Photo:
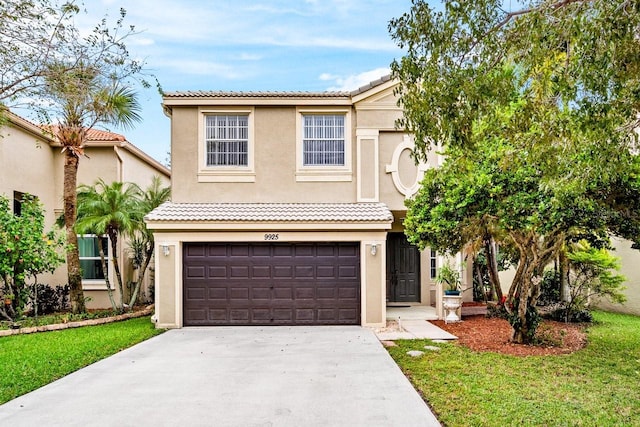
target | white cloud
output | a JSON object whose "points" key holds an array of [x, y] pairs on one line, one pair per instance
{"points": [[354, 81]]}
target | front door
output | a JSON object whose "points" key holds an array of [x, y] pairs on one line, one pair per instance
{"points": [[403, 269]]}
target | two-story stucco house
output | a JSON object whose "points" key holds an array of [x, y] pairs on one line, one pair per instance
{"points": [[287, 209], [32, 163]]}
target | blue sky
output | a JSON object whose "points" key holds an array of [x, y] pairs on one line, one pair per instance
{"points": [[308, 45]]}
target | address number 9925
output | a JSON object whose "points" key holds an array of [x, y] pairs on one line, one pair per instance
{"points": [[271, 236]]}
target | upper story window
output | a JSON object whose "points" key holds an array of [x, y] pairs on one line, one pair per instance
{"points": [[227, 140], [323, 139], [226, 144], [323, 144]]}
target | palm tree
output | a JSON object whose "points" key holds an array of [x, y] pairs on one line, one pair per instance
{"points": [[110, 210], [83, 98], [143, 243]]}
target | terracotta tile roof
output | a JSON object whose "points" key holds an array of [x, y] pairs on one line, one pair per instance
{"points": [[103, 135], [93, 135], [261, 94], [277, 94], [272, 212]]}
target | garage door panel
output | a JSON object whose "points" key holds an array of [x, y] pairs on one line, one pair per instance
{"points": [[238, 250], [216, 271], [260, 293], [196, 271], [326, 272], [347, 272], [198, 315], [239, 272], [218, 293], [239, 315], [271, 283], [283, 271], [305, 293], [282, 293], [261, 271], [195, 250], [196, 293], [347, 293], [215, 251], [240, 293]]}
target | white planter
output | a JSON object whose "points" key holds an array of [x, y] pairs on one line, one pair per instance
{"points": [[451, 304]]}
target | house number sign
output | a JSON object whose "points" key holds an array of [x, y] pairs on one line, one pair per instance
{"points": [[271, 236]]}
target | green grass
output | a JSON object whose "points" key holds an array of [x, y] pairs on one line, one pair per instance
{"points": [[28, 362], [596, 386], [50, 319]]}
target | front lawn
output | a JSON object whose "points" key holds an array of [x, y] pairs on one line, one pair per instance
{"points": [[28, 362], [596, 386]]}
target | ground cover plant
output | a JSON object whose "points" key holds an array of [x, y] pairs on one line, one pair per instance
{"points": [[593, 386], [28, 362]]}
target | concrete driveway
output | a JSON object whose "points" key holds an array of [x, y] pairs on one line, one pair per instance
{"points": [[233, 376]]}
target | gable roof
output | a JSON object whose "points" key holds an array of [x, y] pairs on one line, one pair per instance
{"points": [[272, 212], [95, 138], [286, 97]]}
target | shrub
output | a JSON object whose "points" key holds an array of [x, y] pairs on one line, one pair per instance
{"points": [[50, 300], [549, 288]]}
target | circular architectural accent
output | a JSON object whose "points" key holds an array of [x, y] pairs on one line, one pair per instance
{"points": [[393, 169]]}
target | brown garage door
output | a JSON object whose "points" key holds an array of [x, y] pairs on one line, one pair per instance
{"points": [[271, 284]]}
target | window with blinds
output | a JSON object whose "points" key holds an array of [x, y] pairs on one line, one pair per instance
{"points": [[226, 140], [323, 139]]}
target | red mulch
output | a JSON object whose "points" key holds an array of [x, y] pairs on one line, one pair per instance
{"points": [[480, 333]]}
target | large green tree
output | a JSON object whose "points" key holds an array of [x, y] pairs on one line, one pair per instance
{"points": [[27, 251], [91, 83], [536, 109], [32, 32], [73, 82]]}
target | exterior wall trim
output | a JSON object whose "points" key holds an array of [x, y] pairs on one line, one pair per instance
{"points": [[361, 135]]}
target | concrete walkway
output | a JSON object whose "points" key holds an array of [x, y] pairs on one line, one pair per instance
{"points": [[233, 376], [416, 329]]}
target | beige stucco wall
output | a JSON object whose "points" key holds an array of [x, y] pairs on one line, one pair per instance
{"points": [[169, 268], [275, 163], [630, 259], [28, 166], [134, 169]]}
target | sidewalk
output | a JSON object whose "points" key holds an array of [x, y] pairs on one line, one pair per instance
{"points": [[415, 329]]}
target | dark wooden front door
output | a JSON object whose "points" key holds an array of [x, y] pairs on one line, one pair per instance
{"points": [[403, 269], [271, 284]]}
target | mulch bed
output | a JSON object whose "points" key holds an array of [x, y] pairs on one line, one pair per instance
{"points": [[480, 333]]}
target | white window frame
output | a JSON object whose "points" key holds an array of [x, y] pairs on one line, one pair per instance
{"points": [[98, 284], [323, 172], [226, 173]]}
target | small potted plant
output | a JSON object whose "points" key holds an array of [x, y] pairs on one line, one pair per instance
{"points": [[451, 301], [449, 279]]}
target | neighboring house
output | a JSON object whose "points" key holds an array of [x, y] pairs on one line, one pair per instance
{"points": [[287, 208], [32, 163]]}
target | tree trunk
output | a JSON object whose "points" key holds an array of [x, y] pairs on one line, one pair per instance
{"points": [[113, 235], [480, 280], [143, 270], [74, 274], [492, 267], [105, 273], [565, 295]]}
